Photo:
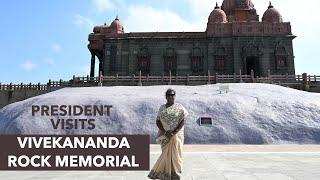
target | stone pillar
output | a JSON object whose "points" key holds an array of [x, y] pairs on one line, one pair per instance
{"points": [[140, 79], [216, 78], [305, 84], [100, 79], [169, 78], [101, 67], [93, 61], [252, 76]]}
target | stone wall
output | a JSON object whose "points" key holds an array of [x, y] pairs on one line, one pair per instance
{"points": [[8, 97], [236, 49]]}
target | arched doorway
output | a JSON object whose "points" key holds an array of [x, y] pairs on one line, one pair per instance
{"points": [[251, 55], [252, 63]]}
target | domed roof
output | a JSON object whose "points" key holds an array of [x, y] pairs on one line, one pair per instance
{"points": [[230, 5], [272, 15], [97, 29], [116, 24], [218, 15]]}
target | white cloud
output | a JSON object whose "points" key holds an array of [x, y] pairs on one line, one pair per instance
{"points": [[202, 8], [103, 5], [81, 21], [146, 18], [56, 47], [49, 61], [28, 65]]}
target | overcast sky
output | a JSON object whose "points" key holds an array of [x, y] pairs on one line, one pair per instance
{"points": [[42, 40]]}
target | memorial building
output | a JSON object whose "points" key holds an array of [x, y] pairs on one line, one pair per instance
{"points": [[235, 40]]}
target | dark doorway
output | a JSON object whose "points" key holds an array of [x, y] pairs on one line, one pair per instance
{"points": [[253, 64]]}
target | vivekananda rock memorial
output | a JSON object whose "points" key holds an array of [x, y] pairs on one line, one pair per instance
{"points": [[235, 41]]}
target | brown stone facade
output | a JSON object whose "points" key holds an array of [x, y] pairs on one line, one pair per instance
{"points": [[235, 40]]}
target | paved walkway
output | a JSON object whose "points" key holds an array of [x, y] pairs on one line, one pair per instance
{"points": [[212, 162]]}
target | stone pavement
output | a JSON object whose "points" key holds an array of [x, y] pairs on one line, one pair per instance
{"points": [[212, 162]]}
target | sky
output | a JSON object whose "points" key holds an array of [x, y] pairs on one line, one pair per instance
{"points": [[42, 40]]}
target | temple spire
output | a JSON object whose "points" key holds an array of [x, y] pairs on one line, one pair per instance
{"points": [[270, 5], [217, 7]]}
